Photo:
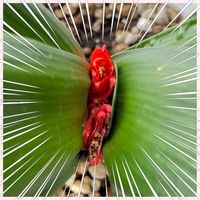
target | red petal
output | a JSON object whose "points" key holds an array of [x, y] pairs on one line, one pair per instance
{"points": [[97, 160], [101, 58], [87, 132]]}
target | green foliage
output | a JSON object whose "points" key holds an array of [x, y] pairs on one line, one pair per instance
{"points": [[144, 112], [54, 103], [46, 81], [51, 32]]}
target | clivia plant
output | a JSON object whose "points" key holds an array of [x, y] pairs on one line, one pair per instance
{"points": [[135, 110]]}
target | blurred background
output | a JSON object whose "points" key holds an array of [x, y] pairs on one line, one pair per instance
{"points": [[117, 25]]}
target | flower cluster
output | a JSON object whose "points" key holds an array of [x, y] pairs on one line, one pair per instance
{"points": [[99, 107]]}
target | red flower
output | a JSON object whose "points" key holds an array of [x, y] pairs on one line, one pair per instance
{"points": [[103, 76], [96, 129], [102, 85], [101, 64]]}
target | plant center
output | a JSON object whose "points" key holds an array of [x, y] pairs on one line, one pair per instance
{"points": [[99, 104]]}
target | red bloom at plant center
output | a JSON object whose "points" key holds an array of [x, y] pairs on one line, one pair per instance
{"points": [[101, 88], [103, 76], [96, 129]]}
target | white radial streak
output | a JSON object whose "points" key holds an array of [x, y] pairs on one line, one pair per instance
{"points": [[35, 4], [175, 148], [185, 19], [22, 133], [181, 93], [113, 16], [37, 194], [120, 182], [164, 188], [132, 177], [132, 15], [94, 180], [82, 178], [115, 183], [184, 182], [88, 15], [56, 177], [176, 129], [13, 30], [181, 108], [22, 175], [10, 175], [103, 20], [23, 53], [38, 21], [119, 14], [35, 148], [10, 94], [22, 84], [146, 21], [27, 188], [72, 18], [83, 20], [23, 62], [20, 102], [71, 183], [20, 114], [128, 179], [147, 181], [180, 82], [185, 98], [192, 57], [152, 23], [180, 77], [188, 41], [15, 130], [5, 150], [182, 72], [179, 168], [49, 5], [179, 13], [189, 48], [25, 143], [8, 4], [129, 13], [160, 170], [22, 91], [194, 128], [14, 66], [66, 20], [194, 143]]}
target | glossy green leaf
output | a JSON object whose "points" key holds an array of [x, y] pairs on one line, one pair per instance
{"points": [[29, 21], [155, 116], [45, 100]]}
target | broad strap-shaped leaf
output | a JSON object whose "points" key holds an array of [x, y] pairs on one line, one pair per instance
{"points": [[45, 100], [152, 143], [28, 20]]}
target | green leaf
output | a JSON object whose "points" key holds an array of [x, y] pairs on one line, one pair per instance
{"points": [[45, 100], [50, 31], [154, 114]]}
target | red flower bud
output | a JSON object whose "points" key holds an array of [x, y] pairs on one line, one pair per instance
{"points": [[97, 124], [103, 75], [101, 64], [102, 85]]}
